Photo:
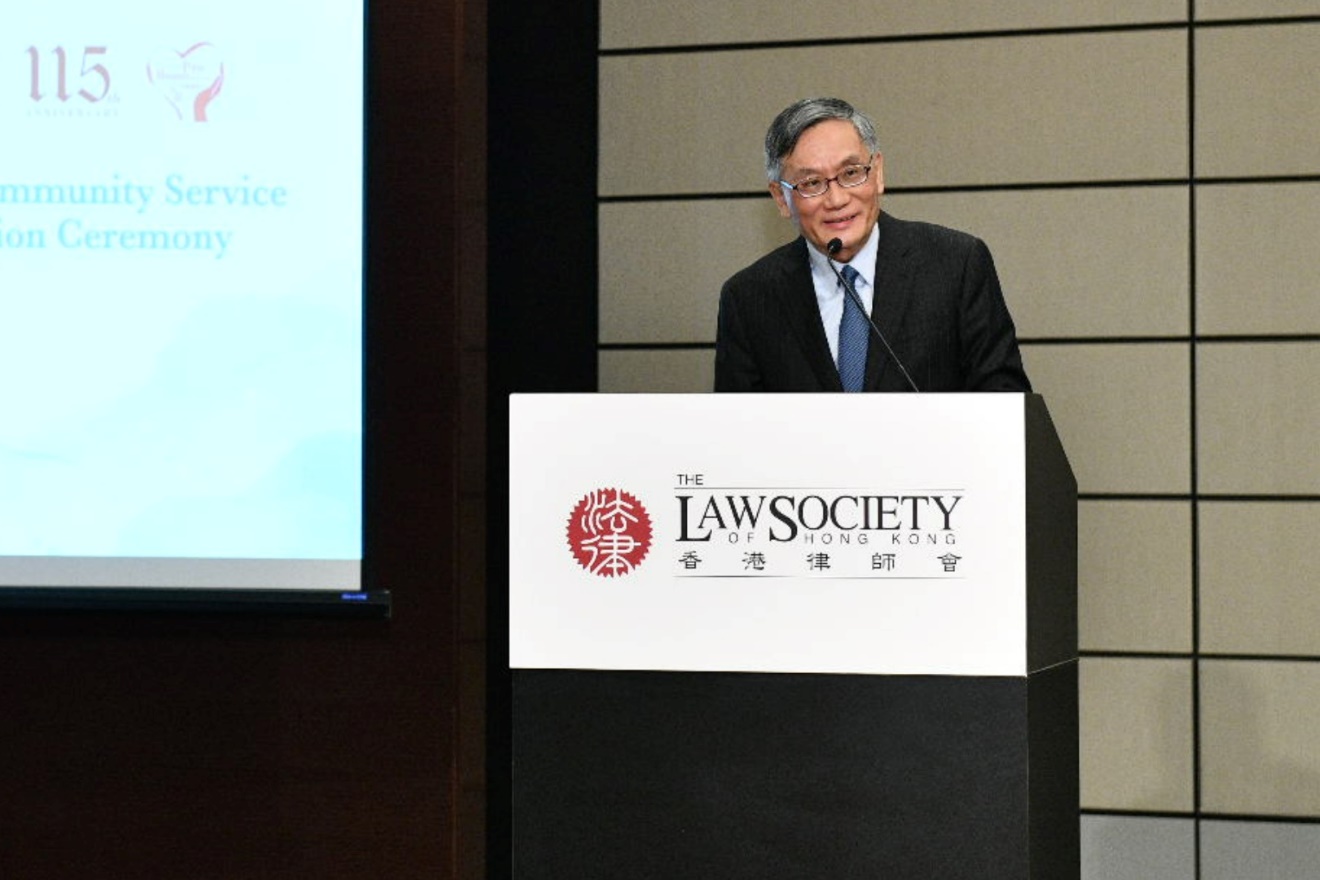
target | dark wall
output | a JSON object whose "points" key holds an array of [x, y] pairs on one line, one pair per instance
{"points": [[542, 282], [542, 191], [175, 747]]}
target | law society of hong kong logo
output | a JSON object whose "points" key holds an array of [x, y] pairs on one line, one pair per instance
{"points": [[609, 532]]}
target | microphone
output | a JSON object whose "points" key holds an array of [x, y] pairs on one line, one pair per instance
{"points": [[833, 247]]}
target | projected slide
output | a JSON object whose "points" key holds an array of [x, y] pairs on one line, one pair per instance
{"points": [[181, 294]]}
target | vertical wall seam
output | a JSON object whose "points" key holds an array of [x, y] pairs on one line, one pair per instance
{"points": [[1194, 473]]}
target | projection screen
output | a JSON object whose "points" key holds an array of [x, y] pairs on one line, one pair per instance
{"points": [[181, 290]]}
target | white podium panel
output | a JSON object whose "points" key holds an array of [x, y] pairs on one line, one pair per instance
{"points": [[870, 534]]}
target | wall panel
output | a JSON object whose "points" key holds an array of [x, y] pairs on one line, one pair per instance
{"points": [[1259, 573], [1258, 268], [657, 371], [949, 112], [1259, 751], [1257, 105], [629, 25], [1136, 722], [1135, 576], [1100, 398], [1258, 406], [1128, 848], [662, 263], [1078, 262], [1211, 10], [1236, 850]]}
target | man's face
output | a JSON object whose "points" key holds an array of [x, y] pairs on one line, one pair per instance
{"points": [[824, 150]]}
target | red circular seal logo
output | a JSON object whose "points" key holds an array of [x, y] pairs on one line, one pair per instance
{"points": [[609, 532]]}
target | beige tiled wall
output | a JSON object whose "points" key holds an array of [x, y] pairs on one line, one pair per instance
{"points": [[1151, 193], [1134, 589], [1259, 749], [626, 24], [1136, 723], [1121, 411], [1256, 258], [1258, 409], [694, 122], [677, 256], [656, 371], [1257, 107], [1212, 10], [1259, 572]]}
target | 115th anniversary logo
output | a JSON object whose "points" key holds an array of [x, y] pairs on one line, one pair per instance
{"points": [[81, 81], [762, 531]]}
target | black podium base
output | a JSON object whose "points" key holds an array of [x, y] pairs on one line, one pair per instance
{"points": [[713, 776]]}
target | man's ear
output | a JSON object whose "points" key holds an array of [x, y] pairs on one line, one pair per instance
{"points": [[781, 200]]}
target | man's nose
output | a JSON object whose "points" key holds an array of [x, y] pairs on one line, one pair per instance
{"points": [[834, 193]]}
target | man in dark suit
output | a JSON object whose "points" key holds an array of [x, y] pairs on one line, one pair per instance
{"points": [[786, 323]]}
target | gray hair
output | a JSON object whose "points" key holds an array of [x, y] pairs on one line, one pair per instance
{"points": [[795, 119]]}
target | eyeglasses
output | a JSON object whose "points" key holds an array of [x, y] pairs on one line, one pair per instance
{"points": [[850, 176]]}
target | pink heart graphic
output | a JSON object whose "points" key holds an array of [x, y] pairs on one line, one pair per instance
{"points": [[188, 79]]}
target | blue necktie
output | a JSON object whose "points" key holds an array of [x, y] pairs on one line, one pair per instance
{"points": [[854, 335]]}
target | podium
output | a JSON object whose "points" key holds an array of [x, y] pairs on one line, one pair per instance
{"points": [[792, 636]]}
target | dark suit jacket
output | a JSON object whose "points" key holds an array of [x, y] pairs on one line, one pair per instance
{"points": [[937, 301]]}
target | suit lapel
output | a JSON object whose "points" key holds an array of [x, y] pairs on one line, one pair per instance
{"points": [[798, 295], [894, 273]]}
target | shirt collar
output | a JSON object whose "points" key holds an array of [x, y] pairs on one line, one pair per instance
{"points": [[863, 261]]}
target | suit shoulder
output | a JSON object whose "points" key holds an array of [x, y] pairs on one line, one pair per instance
{"points": [[769, 267], [932, 235]]}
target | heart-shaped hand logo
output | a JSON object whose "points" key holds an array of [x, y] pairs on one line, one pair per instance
{"points": [[189, 80]]}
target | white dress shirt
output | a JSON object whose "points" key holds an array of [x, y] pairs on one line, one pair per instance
{"points": [[830, 293]]}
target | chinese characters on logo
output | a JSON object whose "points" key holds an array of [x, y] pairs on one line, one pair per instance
{"points": [[609, 532]]}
